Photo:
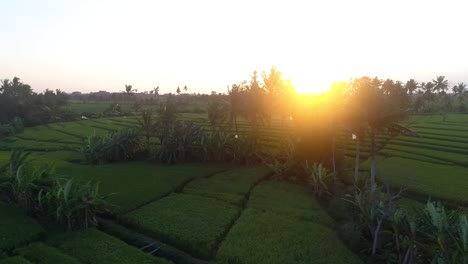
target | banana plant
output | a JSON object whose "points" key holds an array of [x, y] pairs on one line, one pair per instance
{"points": [[73, 203], [318, 177]]}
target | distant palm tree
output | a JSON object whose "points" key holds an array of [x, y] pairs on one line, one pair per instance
{"points": [[460, 89], [155, 91], [129, 89], [235, 102], [185, 89], [376, 114], [387, 86], [428, 88], [411, 86], [178, 90], [440, 84]]}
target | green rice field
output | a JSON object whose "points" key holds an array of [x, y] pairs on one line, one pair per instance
{"points": [[222, 213]]}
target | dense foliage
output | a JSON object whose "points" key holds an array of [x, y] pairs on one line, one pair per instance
{"points": [[19, 101], [120, 145]]}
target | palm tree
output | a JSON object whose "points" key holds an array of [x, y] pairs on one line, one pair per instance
{"points": [[440, 84], [459, 89], [129, 89], [411, 86], [235, 102], [428, 88], [217, 113], [147, 125], [178, 90], [377, 114], [155, 91], [387, 86], [185, 89]]}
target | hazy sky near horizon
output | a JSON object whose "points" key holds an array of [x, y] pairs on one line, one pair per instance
{"points": [[102, 45]]}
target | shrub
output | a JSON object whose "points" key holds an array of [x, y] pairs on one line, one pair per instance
{"points": [[40, 253], [24, 179], [93, 149], [6, 130], [75, 204], [180, 141], [121, 145], [17, 124], [215, 144], [318, 178], [448, 233]]}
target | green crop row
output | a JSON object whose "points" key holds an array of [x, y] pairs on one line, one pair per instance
{"points": [[190, 222], [14, 260], [406, 155], [425, 179], [430, 147], [133, 184], [92, 246], [288, 199], [263, 237], [440, 155], [230, 186], [40, 253], [435, 142], [438, 132], [34, 145], [16, 228]]}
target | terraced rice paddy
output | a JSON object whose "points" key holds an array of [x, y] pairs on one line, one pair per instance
{"points": [[219, 212], [435, 164]]}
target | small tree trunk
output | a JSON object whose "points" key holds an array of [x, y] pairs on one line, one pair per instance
{"points": [[333, 154], [376, 236], [356, 166], [373, 161]]}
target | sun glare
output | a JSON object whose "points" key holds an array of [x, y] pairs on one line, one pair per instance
{"points": [[308, 84]]}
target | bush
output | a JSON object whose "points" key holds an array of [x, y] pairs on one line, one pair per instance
{"points": [[319, 178], [24, 180], [18, 124], [6, 130], [75, 204], [180, 141], [40, 253], [121, 145]]}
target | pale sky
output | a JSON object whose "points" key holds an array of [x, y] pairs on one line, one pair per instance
{"points": [[207, 45]]}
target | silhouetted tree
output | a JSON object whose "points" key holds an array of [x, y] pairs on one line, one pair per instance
{"points": [[459, 89], [411, 86], [440, 84]]}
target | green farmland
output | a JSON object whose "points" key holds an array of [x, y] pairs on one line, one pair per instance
{"points": [[220, 212]]}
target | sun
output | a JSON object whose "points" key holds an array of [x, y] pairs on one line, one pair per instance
{"points": [[306, 83]]}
